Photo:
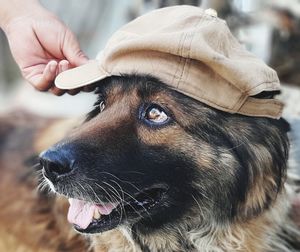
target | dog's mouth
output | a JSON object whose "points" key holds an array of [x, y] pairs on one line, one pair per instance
{"points": [[89, 217]]}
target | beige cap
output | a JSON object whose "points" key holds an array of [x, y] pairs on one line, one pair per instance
{"points": [[191, 50]]}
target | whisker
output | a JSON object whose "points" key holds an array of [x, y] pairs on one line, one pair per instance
{"points": [[117, 195], [132, 197], [36, 165], [122, 180]]}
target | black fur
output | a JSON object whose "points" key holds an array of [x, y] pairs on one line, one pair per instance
{"points": [[114, 153]]}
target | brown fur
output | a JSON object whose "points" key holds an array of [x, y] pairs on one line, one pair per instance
{"points": [[30, 220], [33, 221]]}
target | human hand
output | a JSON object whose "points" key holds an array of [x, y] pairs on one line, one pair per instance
{"points": [[43, 47]]}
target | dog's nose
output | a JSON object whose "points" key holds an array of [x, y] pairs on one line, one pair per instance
{"points": [[55, 164]]}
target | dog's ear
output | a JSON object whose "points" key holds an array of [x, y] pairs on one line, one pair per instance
{"points": [[264, 157]]}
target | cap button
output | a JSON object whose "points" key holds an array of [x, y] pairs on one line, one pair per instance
{"points": [[211, 12]]}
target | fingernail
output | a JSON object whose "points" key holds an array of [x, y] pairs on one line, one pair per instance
{"points": [[52, 67], [65, 66]]}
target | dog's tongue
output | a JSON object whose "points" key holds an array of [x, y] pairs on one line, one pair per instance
{"points": [[81, 212]]}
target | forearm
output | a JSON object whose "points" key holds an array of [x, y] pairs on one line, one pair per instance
{"points": [[12, 9]]}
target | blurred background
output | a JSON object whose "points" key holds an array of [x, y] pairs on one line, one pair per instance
{"points": [[270, 29]]}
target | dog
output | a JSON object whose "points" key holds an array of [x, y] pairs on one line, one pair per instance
{"points": [[151, 169]]}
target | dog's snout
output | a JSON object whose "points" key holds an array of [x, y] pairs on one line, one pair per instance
{"points": [[55, 164]]}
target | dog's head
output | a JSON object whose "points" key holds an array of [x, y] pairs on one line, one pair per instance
{"points": [[148, 156]]}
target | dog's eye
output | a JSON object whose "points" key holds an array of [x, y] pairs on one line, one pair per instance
{"points": [[156, 114], [101, 106]]}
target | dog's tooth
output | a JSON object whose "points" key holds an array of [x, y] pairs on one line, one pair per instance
{"points": [[96, 215]]}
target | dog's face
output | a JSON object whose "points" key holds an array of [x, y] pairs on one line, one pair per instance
{"points": [[148, 156]]}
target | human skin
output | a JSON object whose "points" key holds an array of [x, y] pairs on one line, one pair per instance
{"points": [[40, 43]]}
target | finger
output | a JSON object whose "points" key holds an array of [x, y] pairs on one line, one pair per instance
{"points": [[56, 91], [89, 88], [45, 81], [63, 65], [72, 51], [74, 91]]}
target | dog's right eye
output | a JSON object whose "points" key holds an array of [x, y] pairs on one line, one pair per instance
{"points": [[154, 114]]}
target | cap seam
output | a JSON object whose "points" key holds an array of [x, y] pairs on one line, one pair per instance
{"points": [[179, 52], [102, 68], [276, 114], [180, 48], [277, 106], [261, 83], [183, 58], [189, 52], [258, 101], [227, 110], [188, 59], [239, 101], [268, 115]]}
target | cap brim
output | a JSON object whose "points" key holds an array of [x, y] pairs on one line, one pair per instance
{"points": [[80, 76]]}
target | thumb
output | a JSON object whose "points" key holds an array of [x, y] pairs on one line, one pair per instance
{"points": [[71, 50]]}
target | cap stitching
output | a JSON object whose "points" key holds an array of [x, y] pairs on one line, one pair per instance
{"points": [[188, 61], [183, 67], [213, 102], [245, 94], [239, 103], [188, 58], [180, 46], [276, 114], [261, 83], [278, 107], [179, 52], [258, 101], [183, 59], [275, 110], [236, 45]]}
